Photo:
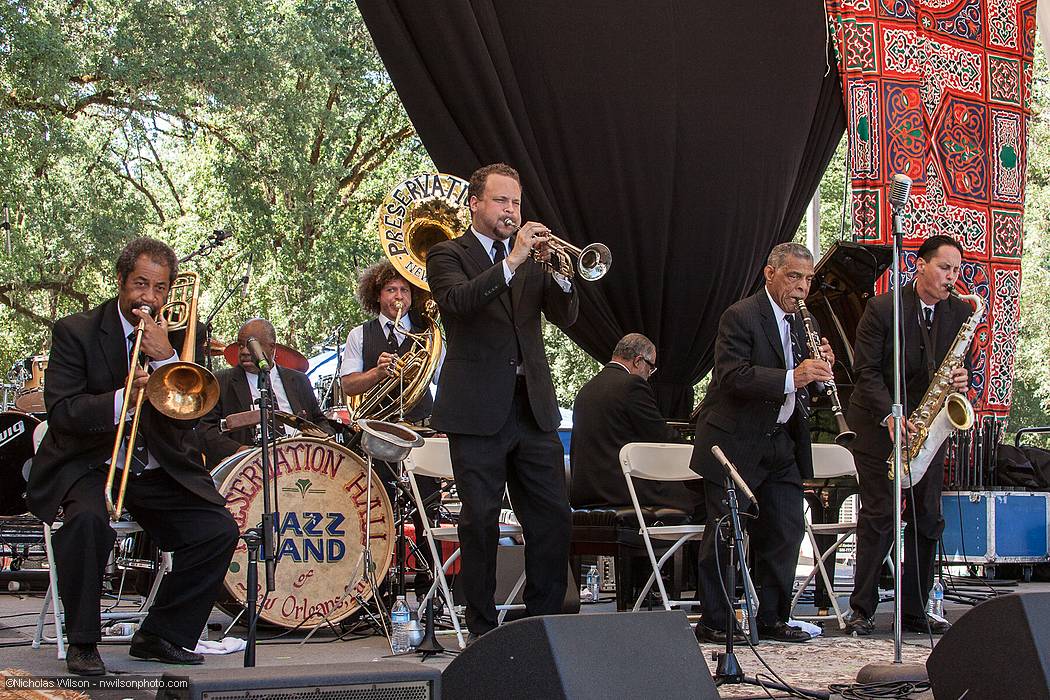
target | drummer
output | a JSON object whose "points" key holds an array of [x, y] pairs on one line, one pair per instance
{"points": [[239, 391]]}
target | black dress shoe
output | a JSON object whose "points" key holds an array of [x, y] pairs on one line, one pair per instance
{"points": [[83, 660], [857, 624], [710, 635], [917, 623], [153, 648], [782, 632]]}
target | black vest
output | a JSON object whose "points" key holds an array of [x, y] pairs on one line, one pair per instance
{"points": [[373, 343]]}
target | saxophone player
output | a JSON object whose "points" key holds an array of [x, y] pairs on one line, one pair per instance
{"points": [[930, 319]]}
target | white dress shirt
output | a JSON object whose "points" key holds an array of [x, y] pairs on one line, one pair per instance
{"points": [[788, 407]]}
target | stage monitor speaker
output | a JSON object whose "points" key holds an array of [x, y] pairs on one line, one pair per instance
{"points": [[380, 680], [601, 655], [999, 649]]}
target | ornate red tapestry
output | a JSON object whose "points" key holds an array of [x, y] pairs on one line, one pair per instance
{"points": [[940, 90]]}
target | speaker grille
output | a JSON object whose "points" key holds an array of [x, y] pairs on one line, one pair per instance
{"points": [[408, 690]]}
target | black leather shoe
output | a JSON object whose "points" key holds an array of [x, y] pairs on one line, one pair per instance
{"points": [[83, 660], [709, 635], [857, 624], [916, 623], [153, 648], [782, 632]]}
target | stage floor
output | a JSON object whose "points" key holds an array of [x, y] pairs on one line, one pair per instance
{"points": [[832, 658]]}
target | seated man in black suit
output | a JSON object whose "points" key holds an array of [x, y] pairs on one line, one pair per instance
{"points": [[615, 407], [239, 390], [170, 493]]}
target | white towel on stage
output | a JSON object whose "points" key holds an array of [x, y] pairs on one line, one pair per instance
{"points": [[228, 645]]}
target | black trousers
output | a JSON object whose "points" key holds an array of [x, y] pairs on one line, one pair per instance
{"points": [[200, 535], [775, 537], [530, 463], [923, 525]]}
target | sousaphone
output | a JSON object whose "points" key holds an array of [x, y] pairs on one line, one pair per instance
{"points": [[418, 213]]}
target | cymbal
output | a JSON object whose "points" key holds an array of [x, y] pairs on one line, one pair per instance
{"points": [[284, 356], [304, 426]]}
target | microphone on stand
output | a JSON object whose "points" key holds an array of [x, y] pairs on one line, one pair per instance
{"points": [[900, 190], [258, 356], [734, 474], [219, 235], [247, 275]]}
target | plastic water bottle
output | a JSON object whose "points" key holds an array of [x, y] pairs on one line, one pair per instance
{"points": [[400, 616], [593, 583], [937, 599]]}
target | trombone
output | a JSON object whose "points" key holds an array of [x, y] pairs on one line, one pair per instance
{"points": [[116, 508], [181, 390], [592, 261]]}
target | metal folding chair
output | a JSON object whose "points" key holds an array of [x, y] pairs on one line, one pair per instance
{"points": [[829, 462], [658, 462], [433, 459], [52, 601]]}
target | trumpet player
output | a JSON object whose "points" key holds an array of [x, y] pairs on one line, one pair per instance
{"points": [[497, 401], [170, 495], [930, 320]]}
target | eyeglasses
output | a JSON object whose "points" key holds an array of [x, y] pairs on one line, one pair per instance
{"points": [[652, 365]]}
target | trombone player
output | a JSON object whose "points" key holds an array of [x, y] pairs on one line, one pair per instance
{"points": [[170, 495]]}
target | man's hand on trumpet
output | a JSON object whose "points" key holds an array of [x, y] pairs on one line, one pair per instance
{"points": [[386, 364], [155, 343], [531, 237]]}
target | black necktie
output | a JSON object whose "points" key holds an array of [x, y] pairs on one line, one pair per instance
{"points": [[139, 456], [499, 251], [802, 393], [928, 313], [391, 339]]}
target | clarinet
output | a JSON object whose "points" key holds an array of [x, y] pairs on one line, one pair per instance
{"points": [[845, 435]]}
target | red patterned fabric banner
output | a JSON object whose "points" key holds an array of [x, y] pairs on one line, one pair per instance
{"points": [[940, 90]]}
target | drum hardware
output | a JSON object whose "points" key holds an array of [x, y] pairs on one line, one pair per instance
{"points": [[245, 419]]}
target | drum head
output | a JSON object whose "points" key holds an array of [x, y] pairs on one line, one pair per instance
{"points": [[16, 449], [323, 513]]}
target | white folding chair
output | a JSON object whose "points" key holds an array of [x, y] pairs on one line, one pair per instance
{"points": [[51, 598], [433, 459], [658, 462], [829, 462]]}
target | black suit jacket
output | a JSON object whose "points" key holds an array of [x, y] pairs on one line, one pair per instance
{"points": [[872, 397], [614, 408], [489, 326], [236, 396], [87, 365], [746, 393]]}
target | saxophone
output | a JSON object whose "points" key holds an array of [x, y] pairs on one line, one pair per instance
{"points": [[942, 409]]}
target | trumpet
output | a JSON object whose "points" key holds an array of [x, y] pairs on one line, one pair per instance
{"points": [[845, 435], [115, 508], [592, 261]]}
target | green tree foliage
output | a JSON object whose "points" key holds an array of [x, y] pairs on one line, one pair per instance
{"points": [[275, 121]]}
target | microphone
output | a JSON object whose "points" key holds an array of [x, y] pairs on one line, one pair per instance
{"points": [[733, 473], [219, 235], [247, 275], [900, 190], [258, 356]]}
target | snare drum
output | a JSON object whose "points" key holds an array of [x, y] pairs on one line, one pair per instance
{"points": [[16, 455], [30, 398], [323, 511]]}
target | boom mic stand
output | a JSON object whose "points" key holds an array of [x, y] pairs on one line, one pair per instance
{"points": [[227, 294], [264, 534]]}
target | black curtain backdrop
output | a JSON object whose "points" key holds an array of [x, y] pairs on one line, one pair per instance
{"points": [[687, 136]]}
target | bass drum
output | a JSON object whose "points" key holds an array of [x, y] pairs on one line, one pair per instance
{"points": [[16, 456], [323, 512]]}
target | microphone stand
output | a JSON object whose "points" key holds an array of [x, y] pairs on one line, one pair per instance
{"points": [[263, 535], [227, 294]]}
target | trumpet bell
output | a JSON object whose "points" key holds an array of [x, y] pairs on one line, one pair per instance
{"points": [[183, 390], [595, 260]]}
